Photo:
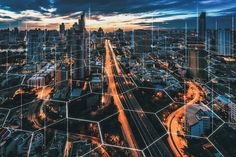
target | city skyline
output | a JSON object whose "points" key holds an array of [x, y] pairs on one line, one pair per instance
{"points": [[110, 16]]}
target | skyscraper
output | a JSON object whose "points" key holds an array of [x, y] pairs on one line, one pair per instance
{"points": [[62, 28], [79, 48], [224, 42], [100, 33], [234, 42], [100, 36], [34, 43], [119, 34], [202, 26]]}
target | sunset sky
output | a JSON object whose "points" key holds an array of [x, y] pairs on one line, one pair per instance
{"points": [[113, 14]]}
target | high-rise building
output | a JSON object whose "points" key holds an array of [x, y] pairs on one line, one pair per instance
{"points": [[202, 26], [79, 48], [197, 60], [62, 28], [82, 21], [142, 41], [13, 35], [34, 43], [224, 42], [234, 42], [211, 40], [119, 34], [132, 41], [100, 33]]}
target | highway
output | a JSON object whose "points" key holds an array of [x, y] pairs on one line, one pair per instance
{"points": [[121, 117], [177, 144], [145, 128]]}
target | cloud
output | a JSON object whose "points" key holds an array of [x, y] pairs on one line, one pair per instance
{"points": [[5, 17], [210, 1], [50, 10], [112, 13]]}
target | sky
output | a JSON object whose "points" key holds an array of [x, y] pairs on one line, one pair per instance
{"points": [[114, 14]]}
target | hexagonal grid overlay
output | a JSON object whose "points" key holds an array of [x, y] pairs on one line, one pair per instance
{"points": [[63, 115], [143, 105], [94, 113]]}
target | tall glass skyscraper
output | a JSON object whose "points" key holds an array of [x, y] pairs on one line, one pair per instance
{"points": [[202, 26]]}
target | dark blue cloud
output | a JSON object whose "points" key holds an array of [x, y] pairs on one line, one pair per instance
{"points": [[165, 8], [21, 5], [5, 17], [111, 6], [212, 22]]}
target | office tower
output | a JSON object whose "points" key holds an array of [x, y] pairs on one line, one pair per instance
{"points": [[79, 48], [100, 36], [234, 43], [132, 40], [120, 34], [143, 41], [100, 33], [197, 60], [62, 28], [202, 26], [82, 21], [224, 42], [13, 35], [34, 44]]}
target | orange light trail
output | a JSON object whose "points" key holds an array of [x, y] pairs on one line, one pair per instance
{"points": [[177, 144], [121, 117]]}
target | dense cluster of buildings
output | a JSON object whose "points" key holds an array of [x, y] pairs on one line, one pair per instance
{"points": [[74, 44]]}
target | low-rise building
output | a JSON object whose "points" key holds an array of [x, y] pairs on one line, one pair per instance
{"points": [[96, 83], [43, 77], [197, 119], [222, 100]]}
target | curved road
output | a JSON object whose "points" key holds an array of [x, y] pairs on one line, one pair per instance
{"points": [[177, 144]]}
